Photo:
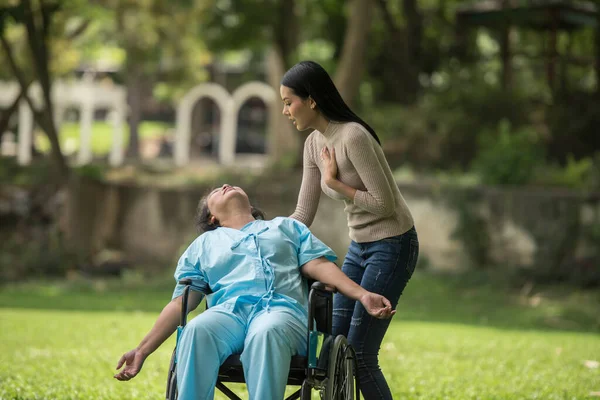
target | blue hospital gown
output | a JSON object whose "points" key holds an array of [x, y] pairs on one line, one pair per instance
{"points": [[258, 306]]}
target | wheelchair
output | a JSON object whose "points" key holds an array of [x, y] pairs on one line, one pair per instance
{"points": [[329, 368]]}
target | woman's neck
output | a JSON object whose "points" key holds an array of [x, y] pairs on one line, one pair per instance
{"points": [[321, 123], [237, 220]]}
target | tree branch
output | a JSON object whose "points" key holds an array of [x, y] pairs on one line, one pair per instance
{"points": [[5, 119], [17, 72], [80, 30], [37, 46], [387, 16]]}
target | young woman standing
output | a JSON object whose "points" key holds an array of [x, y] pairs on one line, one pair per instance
{"points": [[344, 159]]}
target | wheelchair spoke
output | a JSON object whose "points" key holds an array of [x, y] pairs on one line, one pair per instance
{"points": [[340, 381]]}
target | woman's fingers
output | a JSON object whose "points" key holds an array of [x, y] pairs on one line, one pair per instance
{"points": [[386, 302], [121, 361], [126, 375]]}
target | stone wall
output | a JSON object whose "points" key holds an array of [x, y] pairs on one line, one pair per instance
{"points": [[520, 226]]}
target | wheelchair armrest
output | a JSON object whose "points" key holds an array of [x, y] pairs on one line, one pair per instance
{"points": [[323, 287], [184, 299], [320, 306]]}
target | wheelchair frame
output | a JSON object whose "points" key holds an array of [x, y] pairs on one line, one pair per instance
{"points": [[329, 368]]}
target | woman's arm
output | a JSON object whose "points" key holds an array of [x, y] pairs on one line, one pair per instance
{"points": [[379, 198], [310, 189], [165, 325], [328, 273]]}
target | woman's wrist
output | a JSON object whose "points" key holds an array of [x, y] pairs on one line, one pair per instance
{"points": [[363, 294], [340, 187], [331, 182]]}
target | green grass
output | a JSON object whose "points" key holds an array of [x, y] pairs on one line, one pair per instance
{"points": [[461, 337], [102, 136]]}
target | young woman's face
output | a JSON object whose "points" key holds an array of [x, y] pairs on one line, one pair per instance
{"points": [[297, 109], [220, 200]]}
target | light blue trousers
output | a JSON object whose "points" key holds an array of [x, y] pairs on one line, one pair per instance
{"points": [[266, 340]]}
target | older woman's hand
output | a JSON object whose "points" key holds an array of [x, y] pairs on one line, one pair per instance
{"points": [[133, 360], [377, 305]]}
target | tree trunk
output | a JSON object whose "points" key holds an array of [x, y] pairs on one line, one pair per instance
{"points": [[352, 60], [414, 29], [7, 113], [399, 63], [134, 102], [37, 34], [284, 139], [598, 56], [414, 38], [505, 52], [286, 32]]}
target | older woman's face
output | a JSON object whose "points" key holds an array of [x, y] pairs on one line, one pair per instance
{"points": [[297, 109], [223, 198]]}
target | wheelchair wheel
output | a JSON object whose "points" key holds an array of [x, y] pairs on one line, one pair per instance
{"points": [[172, 379], [341, 384], [305, 391]]}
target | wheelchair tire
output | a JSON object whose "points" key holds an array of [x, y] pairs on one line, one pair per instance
{"points": [[341, 384], [172, 380]]}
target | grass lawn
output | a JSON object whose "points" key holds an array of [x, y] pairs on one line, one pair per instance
{"points": [[453, 338]]}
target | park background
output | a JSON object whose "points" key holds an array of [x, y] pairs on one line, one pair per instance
{"points": [[118, 115]]}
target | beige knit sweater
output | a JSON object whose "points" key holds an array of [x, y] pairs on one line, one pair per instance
{"points": [[378, 209]]}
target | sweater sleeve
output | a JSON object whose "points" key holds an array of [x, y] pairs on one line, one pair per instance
{"points": [[378, 199], [310, 189]]}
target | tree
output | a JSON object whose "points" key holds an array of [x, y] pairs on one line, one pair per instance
{"points": [[36, 17], [253, 24], [160, 41], [352, 59]]}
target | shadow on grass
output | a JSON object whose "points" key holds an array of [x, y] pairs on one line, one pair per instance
{"points": [[473, 298]]}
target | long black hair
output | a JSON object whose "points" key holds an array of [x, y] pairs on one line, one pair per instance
{"points": [[307, 78], [203, 215]]}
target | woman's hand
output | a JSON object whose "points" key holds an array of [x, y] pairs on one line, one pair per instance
{"points": [[330, 165], [377, 305], [133, 360]]}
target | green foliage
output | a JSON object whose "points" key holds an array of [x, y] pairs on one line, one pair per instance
{"points": [[241, 24], [11, 173], [34, 252], [284, 164], [463, 106], [407, 134], [441, 130], [575, 174], [573, 120], [508, 157], [90, 171]]}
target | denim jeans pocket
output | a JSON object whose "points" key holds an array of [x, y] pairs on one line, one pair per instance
{"points": [[413, 256]]}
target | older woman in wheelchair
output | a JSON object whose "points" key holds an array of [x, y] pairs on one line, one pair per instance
{"points": [[255, 271]]}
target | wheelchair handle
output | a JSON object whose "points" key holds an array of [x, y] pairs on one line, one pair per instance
{"points": [[319, 292], [323, 287]]}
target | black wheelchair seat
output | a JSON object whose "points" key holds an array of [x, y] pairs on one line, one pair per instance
{"points": [[232, 371]]}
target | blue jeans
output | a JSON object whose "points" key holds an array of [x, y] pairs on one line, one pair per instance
{"points": [[385, 267]]}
